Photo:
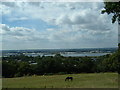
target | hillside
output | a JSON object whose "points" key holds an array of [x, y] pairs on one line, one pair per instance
{"points": [[96, 80]]}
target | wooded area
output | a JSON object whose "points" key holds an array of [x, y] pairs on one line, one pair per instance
{"points": [[17, 66]]}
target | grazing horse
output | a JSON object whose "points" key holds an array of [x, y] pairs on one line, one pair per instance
{"points": [[69, 78]]}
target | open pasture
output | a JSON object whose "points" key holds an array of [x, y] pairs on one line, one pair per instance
{"points": [[91, 80]]}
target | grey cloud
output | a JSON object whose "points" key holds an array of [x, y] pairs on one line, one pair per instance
{"points": [[92, 20], [37, 4], [82, 26], [17, 31], [84, 5], [4, 27], [9, 4], [64, 19], [21, 33], [34, 3]]}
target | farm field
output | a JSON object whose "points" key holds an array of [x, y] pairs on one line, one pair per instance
{"points": [[91, 80]]}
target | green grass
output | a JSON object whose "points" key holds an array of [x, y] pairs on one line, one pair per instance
{"points": [[92, 80], [0, 84]]}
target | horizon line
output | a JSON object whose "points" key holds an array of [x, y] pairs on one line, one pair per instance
{"points": [[59, 48]]}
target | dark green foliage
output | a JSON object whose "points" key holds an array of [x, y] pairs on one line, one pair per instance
{"points": [[24, 69], [8, 69], [114, 8], [109, 63], [118, 57], [14, 66]]}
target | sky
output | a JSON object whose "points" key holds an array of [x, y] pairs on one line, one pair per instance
{"points": [[56, 25]]}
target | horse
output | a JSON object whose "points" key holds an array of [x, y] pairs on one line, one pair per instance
{"points": [[69, 78]]}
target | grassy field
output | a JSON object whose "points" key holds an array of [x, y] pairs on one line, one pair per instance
{"points": [[92, 80]]}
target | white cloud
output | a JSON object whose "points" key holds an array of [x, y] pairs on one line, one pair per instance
{"points": [[17, 33], [53, 38], [80, 25], [18, 18], [4, 9]]}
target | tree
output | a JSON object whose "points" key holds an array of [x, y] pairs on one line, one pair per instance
{"points": [[8, 69], [112, 8], [23, 69], [119, 46]]}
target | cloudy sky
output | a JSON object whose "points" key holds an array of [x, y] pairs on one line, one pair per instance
{"points": [[56, 25]]}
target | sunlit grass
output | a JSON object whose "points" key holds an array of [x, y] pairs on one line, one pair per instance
{"points": [[92, 80]]}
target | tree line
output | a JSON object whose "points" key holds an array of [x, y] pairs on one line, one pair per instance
{"points": [[17, 66]]}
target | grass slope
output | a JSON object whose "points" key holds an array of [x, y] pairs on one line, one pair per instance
{"points": [[92, 80]]}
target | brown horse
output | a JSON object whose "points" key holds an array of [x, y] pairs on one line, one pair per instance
{"points": [[69, 78]]}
